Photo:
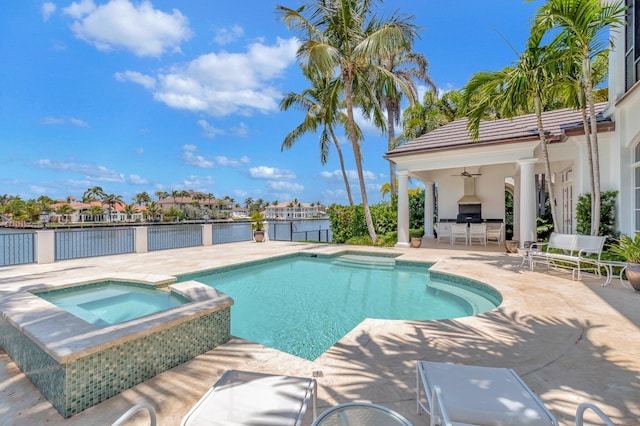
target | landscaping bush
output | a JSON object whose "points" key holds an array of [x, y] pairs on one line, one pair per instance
{"points": [[607, 214]]}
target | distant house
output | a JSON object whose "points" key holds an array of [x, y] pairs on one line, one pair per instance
{"points": [[220, 208], [293, 210], [80, 212], [470, 178]]}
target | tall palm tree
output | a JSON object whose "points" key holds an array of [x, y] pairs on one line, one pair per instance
{"points": [[161, 195], [65, 210], [346, 37], [320, 102], [512, 91], [93, 194], [582, 23], [406, 66], [142, 198], [110, 200]]}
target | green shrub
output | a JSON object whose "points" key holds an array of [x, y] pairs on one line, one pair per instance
{"points": [[607, 213]]}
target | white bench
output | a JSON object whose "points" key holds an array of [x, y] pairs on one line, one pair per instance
{"points": [[574, 251]]}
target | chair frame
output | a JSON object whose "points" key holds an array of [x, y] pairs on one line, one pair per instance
{"points": [[435, 406], [456, 233], [478, 231]]}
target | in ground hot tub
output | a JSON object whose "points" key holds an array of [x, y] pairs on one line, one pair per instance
{"points": [[77, 363], [112, 302]]}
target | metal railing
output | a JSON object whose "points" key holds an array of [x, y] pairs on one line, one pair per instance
{"points": [[173, 236], [17, 248], [231, 232], [299, 231], [79, 243]]}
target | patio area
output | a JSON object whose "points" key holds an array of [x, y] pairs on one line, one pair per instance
{"points": [[570, 341]]}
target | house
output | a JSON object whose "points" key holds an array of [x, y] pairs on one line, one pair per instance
{"points": [[470, 178], [293, 210]]}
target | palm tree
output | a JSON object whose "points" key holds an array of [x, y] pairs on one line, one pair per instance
{"points": [[320, 102], [345, 37], [93, 194], [65, 210], [385, 189], [512, 91], [95, 211], [161, 195], [153, 210], [581, 23], [405, 66], [129, 210], [110, 200], [142, 198]]}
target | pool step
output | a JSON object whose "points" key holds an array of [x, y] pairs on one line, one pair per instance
{"points": [[477, 302], [367, 262]]}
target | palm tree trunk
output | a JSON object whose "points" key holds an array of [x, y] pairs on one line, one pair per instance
{"points": [[587, 135], [391, 144], [595, 162], [344, 172], [547, 165], [357, 153]]}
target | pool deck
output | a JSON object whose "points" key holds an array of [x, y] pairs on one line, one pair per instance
{"points": [[570, 341]]}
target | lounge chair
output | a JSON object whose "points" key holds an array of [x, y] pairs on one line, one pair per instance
{"points": [[443, 230], [246, 398], [463, 394], [478, 231], [495, 234], [459, 232]]}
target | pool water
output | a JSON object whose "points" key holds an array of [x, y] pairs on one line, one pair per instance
{"points": [[110, 302], [304, 305]]}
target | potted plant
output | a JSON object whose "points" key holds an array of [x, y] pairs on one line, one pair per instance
{"points": [[629, 249], [257, 226]]}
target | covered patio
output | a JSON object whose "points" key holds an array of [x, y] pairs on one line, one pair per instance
{"points": [[466, 180]]}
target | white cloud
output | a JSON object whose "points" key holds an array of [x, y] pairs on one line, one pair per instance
{"points": [[59, 121], [78, 122], [241, 130], [352, 175], [53, 121], [270, 173], [98, 173], [196, 183], [137, 180], [47, 10], [79, 10], [225, 83], [139, 151], [208, 131], [136, 77], [193, 159], [285, 186], [120, 24], [245, 160], [228, 35]]}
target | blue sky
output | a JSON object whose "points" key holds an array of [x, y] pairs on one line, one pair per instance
{"points": [[160, 96]]}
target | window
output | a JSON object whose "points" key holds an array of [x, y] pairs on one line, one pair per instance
{"points": [[636, 172], [632, 43]]}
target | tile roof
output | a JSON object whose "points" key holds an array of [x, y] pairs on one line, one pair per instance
{"points": [[558, 124]]}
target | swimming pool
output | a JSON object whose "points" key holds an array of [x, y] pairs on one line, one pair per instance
{"points": [[303, 305], [109, 302]]}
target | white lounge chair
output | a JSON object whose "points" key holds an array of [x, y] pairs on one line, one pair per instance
{"points": [[471, 395], [246, 398], [495, 233], [443, 230], [459, 232], [478, 231]]}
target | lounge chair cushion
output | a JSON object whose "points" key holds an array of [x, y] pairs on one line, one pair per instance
{"points": [[484, 395], [246, 398]]}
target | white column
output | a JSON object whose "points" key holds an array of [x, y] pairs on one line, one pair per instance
{"points": [[140, 239], [45, 246], [403, 208], [428, 210], [527, 201], [207, 234]]}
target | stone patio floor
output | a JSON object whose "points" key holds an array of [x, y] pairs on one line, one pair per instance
{"points": [[570, 341]]}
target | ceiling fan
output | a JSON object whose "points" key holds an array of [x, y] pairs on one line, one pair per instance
{"points": [[465, 173]]}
